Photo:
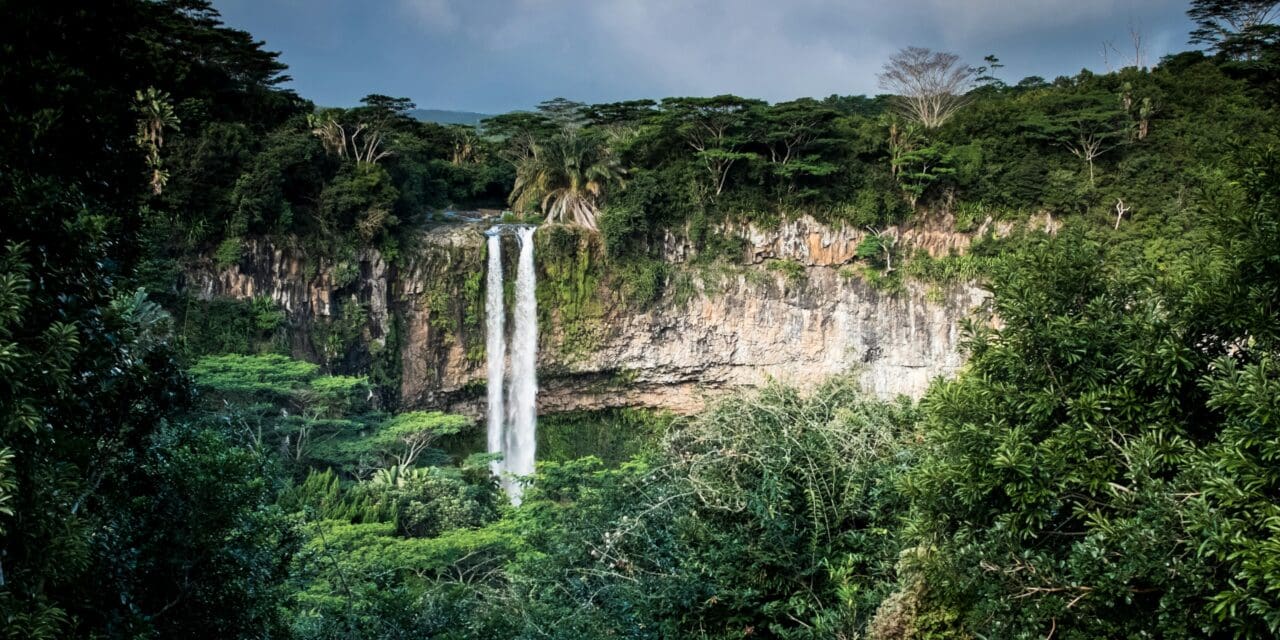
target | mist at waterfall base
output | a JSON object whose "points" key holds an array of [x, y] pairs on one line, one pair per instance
{"points": [[513, 416]]}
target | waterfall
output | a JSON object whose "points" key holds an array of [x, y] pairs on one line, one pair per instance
{"points": [[495, 347], [521, 442], [513, 426]]}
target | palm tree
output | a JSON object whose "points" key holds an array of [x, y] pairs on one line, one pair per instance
{"points": [[566, 177], [155, 114]]}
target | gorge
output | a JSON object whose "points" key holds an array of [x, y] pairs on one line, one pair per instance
{"points": [[1001, 361], [739, 326]]}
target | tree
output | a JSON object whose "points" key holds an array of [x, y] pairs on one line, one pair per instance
{"points": [[1105, 467], [929, 87], [793, 132], [403, 438], [1121, 210], [361, 133], [789, 127], [88, 373], [625, 113], [715, 128], [878, 246], [986, 74], [1087, 124], [1049, 496], [768, 515], [516, 133], [567, 178], [564, 113], [918, 168], [1088, 145], [208, 550], [360, 197], [1233, 26], [466, 145], [155, 115]]}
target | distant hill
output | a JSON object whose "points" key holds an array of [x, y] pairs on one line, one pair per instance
{"points": [[448, 117]]}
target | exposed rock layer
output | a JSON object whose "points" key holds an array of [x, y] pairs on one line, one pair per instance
{"points": [[754, 325]]}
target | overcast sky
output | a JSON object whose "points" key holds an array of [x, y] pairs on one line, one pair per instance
{"points": [[498, 55]]}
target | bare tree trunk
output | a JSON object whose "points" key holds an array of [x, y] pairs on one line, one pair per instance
{"points": [[1120, 211]]}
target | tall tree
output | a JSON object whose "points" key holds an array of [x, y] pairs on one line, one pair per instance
{"points": [[929, 86], [565, 113], [716, 129], [362, 133], [88, 376], [1088, 124], [1233, 26], [155, 115]]}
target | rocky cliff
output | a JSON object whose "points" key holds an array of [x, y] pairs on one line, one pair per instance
{"points": [[723, 328]]}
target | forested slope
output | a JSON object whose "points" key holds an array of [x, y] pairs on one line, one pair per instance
{"points": [[1105, 465]]}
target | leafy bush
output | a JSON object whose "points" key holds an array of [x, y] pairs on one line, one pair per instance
{"points": [[612, 435], [773, 512], [268, 376], [792, 271], [1100, 468], [228, 253]]}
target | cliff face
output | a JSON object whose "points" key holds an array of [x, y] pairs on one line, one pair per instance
{"points": [[742, 327]]}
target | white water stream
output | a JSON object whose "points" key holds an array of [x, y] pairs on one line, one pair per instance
{"points": [[495, 347], [513, 427]]}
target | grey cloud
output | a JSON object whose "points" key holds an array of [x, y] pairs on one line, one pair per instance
{"points": [[501, 54]]}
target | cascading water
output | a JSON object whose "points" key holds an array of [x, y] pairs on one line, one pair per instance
{"points": [[513, 427], [495, 347], [521, 439]]}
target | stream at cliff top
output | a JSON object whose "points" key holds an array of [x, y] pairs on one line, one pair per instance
{"points": [[513, 417]]}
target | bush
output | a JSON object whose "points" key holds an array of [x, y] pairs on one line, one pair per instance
{"points": [[228, 253]]}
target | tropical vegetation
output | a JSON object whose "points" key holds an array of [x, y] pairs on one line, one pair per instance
{"points": [[1105, 465]]}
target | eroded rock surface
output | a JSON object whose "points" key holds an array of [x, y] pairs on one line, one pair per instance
{"points": [[754, 324]]}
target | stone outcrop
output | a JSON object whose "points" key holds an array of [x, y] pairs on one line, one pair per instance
{"points": [[814, 244], [754, 329], [752, 325]]}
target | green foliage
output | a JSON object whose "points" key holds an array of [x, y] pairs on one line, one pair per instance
{"points": [[612, 435], [568, 289], [766, 513], [320, 495], [968, 267], [1105, 466], [920, 166], [1104, 454], [88, 374], [405, 436], [336, 395], [360, 197], [1237, 514], [567, 176], [361, 580], [792, 271], [811, 498], [202, 507], [223, 325], [100, 523], [654, 198], [1059, 434], [642, 280], [268, 376], [228, 253]]}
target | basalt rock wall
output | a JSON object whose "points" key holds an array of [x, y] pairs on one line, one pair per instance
{"points": [[752, 325]]}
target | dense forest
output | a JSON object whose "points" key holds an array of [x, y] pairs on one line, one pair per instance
{"points": [[1107, 464]]}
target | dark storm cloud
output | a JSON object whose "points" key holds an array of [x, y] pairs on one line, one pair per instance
{"points": [[497, 55]]}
